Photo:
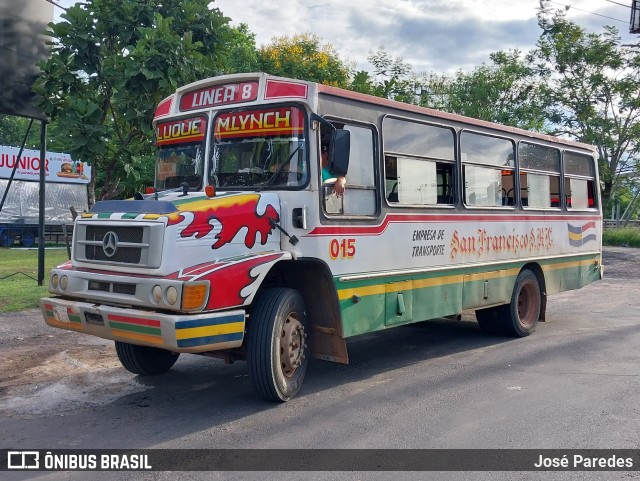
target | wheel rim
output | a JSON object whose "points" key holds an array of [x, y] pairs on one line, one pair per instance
{"points": [[527, 304], [291, 345]]}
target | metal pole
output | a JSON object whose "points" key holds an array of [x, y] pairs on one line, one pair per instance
{"points": [[15, 165], [43, 173]]}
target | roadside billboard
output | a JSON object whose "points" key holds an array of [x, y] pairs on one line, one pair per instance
{"points": [[59, 167]]}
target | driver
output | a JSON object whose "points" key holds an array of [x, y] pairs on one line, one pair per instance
{"points": [[340, 181]]}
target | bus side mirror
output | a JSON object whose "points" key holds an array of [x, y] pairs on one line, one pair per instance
{"points": [[339, 152]]}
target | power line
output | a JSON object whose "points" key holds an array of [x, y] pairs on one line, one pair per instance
{"points": [[618, 3], [586, 11], [57, 5]]}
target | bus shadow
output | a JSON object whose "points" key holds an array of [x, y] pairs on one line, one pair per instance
{"points": [[201, 394], [387, 350]]}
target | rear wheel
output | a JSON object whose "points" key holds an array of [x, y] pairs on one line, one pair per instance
{"points": [[276, 344], [143, 360], [520, 317]]}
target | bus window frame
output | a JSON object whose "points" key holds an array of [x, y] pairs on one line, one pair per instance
{"points": [[512, 168], [392, 153], [594, 180], [376, 171], [261, 106], [205, 143], [526, 170]]}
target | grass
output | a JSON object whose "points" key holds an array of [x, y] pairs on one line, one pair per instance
{"points": [[627, 237], [19, 292]]}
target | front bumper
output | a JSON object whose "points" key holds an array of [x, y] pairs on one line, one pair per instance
{"points": [[175, 332]]}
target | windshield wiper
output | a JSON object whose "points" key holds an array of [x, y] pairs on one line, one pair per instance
{"points": [[277, 173]]}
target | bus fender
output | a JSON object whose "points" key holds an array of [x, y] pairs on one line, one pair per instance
{"points": [[313, 279]]}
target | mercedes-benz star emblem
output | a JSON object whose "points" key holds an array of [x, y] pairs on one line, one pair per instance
{"points": [[110, 244]]}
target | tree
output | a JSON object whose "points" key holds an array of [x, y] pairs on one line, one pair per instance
{"points": [[593, 93], [13, 130], [242, 54], [304, 57], [391, 79], [506, 92], [112, 62]]}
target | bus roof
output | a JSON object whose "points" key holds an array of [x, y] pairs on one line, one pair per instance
{"points": [[262, 86], [348, 94]]}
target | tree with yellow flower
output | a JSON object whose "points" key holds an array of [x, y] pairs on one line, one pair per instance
{"points": [[304, 57]]}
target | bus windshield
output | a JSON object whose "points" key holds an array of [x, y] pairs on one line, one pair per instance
{"points": [[260, 149], [180, 153]]}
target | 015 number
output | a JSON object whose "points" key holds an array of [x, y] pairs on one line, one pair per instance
{"points": [[342, 249]]}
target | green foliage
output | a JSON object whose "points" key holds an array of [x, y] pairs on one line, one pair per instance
{"points": [[393, 73], [242, 55], [593, 93], [304, 57], [13, 130], [505, 92], [626, 237], [112, 62]]}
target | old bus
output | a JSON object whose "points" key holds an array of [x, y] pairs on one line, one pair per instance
{"points": [[246, 252]]}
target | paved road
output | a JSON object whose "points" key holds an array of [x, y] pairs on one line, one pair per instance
{"points": [[573, 384]]}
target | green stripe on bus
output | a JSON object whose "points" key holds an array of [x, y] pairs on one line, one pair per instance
{"points": [[371, 304], [155, 331]]}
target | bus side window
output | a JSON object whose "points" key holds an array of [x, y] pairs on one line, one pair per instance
{"points": [[360, 191], [579, 182], [391, 177], [539, 176], [444, 176], [419, 162], [488, 169]]}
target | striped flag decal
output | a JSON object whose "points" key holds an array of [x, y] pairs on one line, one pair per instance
{"points": [[200, 332], [146, 330], [579, 235]]}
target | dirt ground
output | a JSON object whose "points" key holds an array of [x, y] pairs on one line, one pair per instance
{"points": [[40, 365]]}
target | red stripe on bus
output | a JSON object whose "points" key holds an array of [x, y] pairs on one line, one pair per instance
{"points": [[399, 219], [133, 320]]}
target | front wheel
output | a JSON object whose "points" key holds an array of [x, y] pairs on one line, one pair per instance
{"points": [[145, 361], [276, 344]]}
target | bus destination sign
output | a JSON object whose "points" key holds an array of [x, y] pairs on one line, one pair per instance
{"points": [[254, 123], [187, 130], [219, 95]]}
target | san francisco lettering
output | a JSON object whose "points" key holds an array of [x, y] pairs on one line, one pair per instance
{"points": [[483, 243]]}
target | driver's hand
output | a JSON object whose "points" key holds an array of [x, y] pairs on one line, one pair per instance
{"points": [[339, 185]]}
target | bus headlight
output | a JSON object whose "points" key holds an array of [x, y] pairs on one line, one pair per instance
{"points": [[172, 295], [64, 283], [54, 281], [156, 294]]}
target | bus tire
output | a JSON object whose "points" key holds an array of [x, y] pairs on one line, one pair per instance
{"points": [[520, 317], [526, 302], [276, 344], [144, 360]]}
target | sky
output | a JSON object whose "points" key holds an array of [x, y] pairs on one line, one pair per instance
{"points": [[433, 36]]}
